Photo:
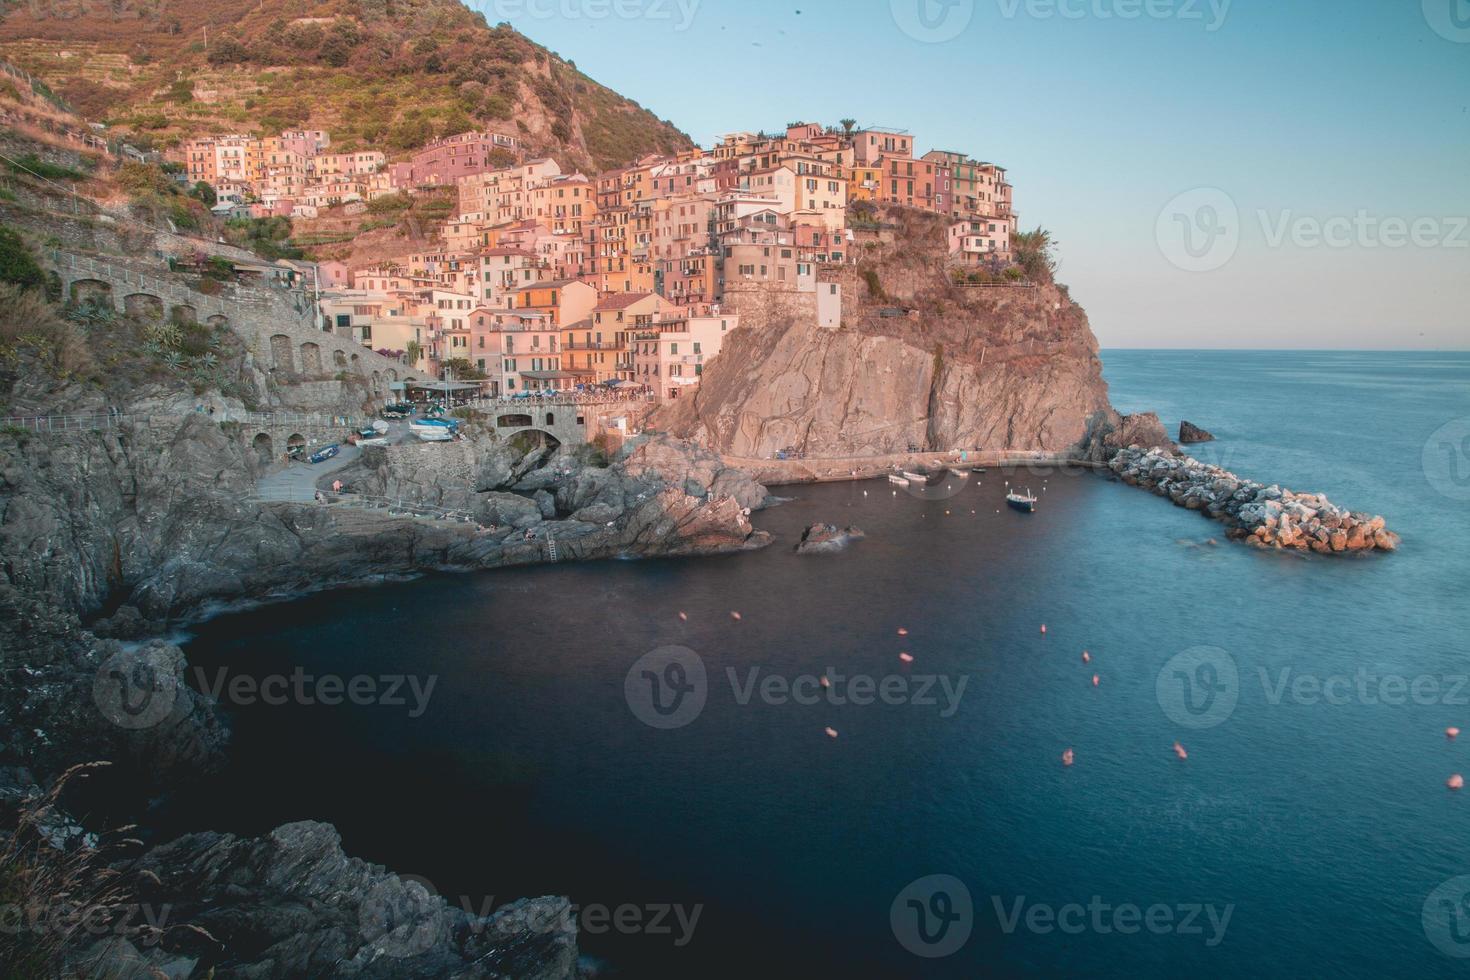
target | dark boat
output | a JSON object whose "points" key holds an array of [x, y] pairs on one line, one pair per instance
{"points": [[1023, 502]]}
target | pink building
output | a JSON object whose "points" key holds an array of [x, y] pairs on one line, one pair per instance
{"points": [[670, 356], [462, 155]]}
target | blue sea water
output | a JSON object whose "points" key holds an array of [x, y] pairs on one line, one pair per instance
{"points": [[1314, 812]]}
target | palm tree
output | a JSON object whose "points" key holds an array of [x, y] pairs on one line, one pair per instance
{"points": [[1033, 250], [847, 126], [412, 351]]}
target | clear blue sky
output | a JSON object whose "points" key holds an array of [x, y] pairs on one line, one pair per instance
{"points": [[1306, 110]]}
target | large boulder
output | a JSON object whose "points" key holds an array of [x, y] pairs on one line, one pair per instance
{"points": [[1191, 433], [822, 539]]}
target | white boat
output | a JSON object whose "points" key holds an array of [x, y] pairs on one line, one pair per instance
{"points": [[958, 472], [900, 481], [433, 434], [913, 477]]}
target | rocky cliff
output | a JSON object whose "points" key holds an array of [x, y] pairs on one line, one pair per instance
{"points": [[918, 361]]}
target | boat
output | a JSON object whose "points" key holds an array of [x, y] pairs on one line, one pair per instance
{"points": [[913, 477], [1024, 502], [894, 478], [434, 434], [434, 427], [325, 453], [959, 472]]}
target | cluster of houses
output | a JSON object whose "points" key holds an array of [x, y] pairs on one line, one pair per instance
{"points": [[545, 280]]}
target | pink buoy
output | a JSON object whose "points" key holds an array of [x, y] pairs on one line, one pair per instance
{"points": [[1451, 732], [907, 658], [1456, 781], [831, 732], [1043, 627], [1179, 751], [1086, 657], [825, 682], [1067, 758], [903, 631], [684, 616], [1094, 680], [734, 615]]}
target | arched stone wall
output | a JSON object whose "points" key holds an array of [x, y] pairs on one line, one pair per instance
{"points": [[281, 353], [311, 359], [92, 292], [183, 313], [217, 320], [265, 452], [339, 358], [144, 305]]}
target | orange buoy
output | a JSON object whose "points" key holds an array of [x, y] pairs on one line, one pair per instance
{"points": [[734, 614], [825, 682], [1179, 751], [907, 658], [831, 732], [1094, 680], [1086, 657], [1067, 758], [1456, 781], [1451, 732]]}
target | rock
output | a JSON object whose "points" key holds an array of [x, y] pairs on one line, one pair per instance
{"points": [[827, 538], [1190, 433], [546, 502], [508, 509], [1385, 540]]}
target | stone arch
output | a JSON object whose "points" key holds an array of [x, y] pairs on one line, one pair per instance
{"points": [[339, 358], [92, 292], [217, 320], [392, 375], [528, 439], [183, 313], [311, 359], [144, 305], [550, 418], [282, 353], [513, 420], [354, 359], [377, 382], [265, 452], [295, 444]]}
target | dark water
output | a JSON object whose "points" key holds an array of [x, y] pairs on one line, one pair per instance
{"points": [[1323, 824]]}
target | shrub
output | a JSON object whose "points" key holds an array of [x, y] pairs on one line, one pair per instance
{"points": [[17, 265]]}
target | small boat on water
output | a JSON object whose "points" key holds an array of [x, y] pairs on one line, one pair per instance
{"points": [[895, 479], [959, 472], [913, 477], [1024, 502]]}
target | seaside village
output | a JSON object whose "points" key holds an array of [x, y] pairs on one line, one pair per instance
{"points": [[631, 279]]}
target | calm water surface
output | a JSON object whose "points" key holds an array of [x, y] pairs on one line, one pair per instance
{"points": [[1324, 826]]}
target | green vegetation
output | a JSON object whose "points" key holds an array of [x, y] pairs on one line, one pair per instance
{"points": [[461, 369], [34, 165], [1033, 252], [17, 265], [875, 286], [270, 238]]}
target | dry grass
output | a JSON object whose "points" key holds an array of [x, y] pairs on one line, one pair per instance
{"points": [[28, 321]]}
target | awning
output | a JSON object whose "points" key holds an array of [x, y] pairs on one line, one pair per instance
{"points": [[549, 375]]}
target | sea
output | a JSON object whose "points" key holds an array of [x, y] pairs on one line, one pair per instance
{"points": [[1119, 745]]}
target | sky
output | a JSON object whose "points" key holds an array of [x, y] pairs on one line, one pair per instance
{"points": [[1217, 173]]}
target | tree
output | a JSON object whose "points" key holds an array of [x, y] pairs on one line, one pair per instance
{"points": [[17, 265], [847, 126], [205, 193], [461, 369], [1033, 250], [413, 352]]}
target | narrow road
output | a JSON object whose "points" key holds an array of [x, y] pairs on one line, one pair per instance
{"points": [[299, 481]]}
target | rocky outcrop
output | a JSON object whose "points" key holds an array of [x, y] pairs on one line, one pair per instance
{"points": [[822, 539], [292, 904], [993, 368], [1267, 516], [1191, 433]]}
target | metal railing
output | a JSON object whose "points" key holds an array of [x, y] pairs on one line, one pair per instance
{"points": [[116, 420], [389, 506]]}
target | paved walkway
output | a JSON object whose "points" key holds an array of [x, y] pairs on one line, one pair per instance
{"points": [[299, 481]]}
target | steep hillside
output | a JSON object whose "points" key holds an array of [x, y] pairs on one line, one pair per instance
{"points": [[919, 361], [385, 74]]}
